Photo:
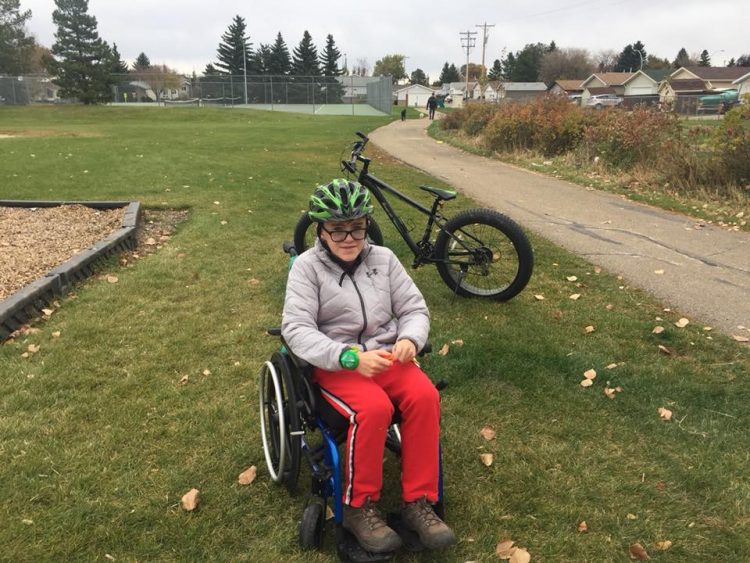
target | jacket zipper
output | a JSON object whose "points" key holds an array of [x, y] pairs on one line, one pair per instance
{"points": [[364, 314]]}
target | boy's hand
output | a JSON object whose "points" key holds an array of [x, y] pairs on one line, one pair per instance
{"points": [[404, 351], [374, 362]]}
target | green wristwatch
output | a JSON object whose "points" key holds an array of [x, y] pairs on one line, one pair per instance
{"points": [[349, 358]]}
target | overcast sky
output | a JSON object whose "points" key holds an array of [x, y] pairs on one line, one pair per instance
{"points": [[184, 34]]}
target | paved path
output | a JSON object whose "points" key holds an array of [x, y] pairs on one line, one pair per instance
{"points": [[706, 268]]}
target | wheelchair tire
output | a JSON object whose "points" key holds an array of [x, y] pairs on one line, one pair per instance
{"points": [[312, 524], [280, 421], [304, 233]]}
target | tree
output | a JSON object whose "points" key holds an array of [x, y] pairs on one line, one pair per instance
{"points": [[743, 60], [118, 65], [261, 59], [419, 77], [705, 59], [657, 63], [160, 78], [449, 74], [16, 48], [390, 65], [509, 65], [82, 61], [362, 68], [606, 60], [142, 62], [732, 62], [329, 59], [234, 51], [305, 58], [633, 57], [475, 71], [279, 62], [496, 72], [210, 70], [527, 63], [682, 59], [565, 64]]}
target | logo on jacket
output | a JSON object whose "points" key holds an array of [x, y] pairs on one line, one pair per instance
{"points": [[373, 272]]}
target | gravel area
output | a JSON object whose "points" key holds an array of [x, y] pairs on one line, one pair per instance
{"points": [[35, 240]]}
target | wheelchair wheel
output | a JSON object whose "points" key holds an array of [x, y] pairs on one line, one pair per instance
{"points": [[312, 524], [279, 421]]}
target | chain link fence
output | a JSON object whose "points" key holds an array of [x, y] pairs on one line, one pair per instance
{"points": [[354, 95]]}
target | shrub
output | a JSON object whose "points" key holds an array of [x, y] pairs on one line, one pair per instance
{"points": [[731, 140], [476, 116]]}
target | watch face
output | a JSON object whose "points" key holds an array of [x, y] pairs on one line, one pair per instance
{"points": [[349, 359]]}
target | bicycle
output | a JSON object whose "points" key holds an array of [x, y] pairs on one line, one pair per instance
{"points": [[479, 252]]}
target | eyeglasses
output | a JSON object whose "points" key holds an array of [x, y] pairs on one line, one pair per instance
{"points": [[340, 236]]}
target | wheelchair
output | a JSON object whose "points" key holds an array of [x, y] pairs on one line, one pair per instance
{"points": [[292, 412]]}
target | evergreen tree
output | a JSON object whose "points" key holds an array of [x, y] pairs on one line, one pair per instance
{"points": [[551, 47], [82, 61], [234, 50], [449, 74], [743, 60], [142, 63], [496, 72], [454, 74], [682, 59], [731, 62], [509, 65], [419, 77], [528, 62], [632, 58], [330, 57], [279, 63], [118, 65], [261, 59], [210, 70], [305, 58], [16, 48], [705, 60]]}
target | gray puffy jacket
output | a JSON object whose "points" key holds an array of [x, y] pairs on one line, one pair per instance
{"points": [[327, 309]]}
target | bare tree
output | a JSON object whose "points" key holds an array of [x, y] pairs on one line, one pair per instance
{"points": [[606, 60], [566, 64], [363, 67], [161, 78]]}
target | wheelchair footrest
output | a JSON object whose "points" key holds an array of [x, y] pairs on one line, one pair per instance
{"points": [[409, 537], [349, 550]]}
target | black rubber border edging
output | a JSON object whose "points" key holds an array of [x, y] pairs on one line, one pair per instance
{"points": [[29, 301]]}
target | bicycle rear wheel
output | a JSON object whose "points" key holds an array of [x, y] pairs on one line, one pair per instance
{"points": [[305, 235], [483, 253]]}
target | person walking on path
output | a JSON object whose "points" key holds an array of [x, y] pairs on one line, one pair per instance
{"points": [[432, 105]]}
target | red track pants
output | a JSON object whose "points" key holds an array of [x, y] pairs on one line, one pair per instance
{"points": [[368, 403]]}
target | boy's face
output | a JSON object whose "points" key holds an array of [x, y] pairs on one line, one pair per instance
{"points": [[348, 249]]}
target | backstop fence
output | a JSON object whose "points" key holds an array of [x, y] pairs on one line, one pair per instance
{"points": [[267, 91]]}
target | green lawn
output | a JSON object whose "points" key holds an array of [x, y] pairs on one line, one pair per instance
{"points": [[99, 440]]}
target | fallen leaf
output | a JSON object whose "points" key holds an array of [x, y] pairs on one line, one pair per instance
{"points": [[184, 380], [520, 555], [48, 312], [27, 521], [665, 350], [609, 392], [740, 338], [150, 241], [487, 459], [583, 527], [610, 307], [33, 348], [660, 485], [458, 342], [190, 500], [597, 270], [586, 383], [611, 366], [505, 549], [658, 330], [539, 297], [589, 329], [444, 350], [56, 334], [659, 272], [108, 556], [253, 281], [682, 323], [487, 433], [631, 516], [206, 372], [663, 545], [572, 278], [590, 374], [112, 279], [637, 552], [665, 414], [329, 513], [248, 476], [575, 296]]}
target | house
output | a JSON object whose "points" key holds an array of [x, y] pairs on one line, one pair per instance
{"points": [[713, 77], [355, 87], [457, 92], [613, 80], [522, 91], [413, 95], [742, 84], [566, 88]]}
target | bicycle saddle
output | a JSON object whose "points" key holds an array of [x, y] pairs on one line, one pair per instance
{"points": [[446, 195]]}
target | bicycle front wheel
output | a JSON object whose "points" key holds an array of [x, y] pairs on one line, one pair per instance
{"points": [[305, 235], [483, 253]]}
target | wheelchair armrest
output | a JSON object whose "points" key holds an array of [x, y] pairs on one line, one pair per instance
{"points": [[274, 331]]}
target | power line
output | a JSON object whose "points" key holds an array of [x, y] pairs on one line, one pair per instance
{"points": [[468, 41], [484, 27]]}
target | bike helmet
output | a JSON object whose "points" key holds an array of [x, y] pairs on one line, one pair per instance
{"points": [[340, 200]]}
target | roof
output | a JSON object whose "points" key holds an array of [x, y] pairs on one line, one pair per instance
{"points": [[596, 90], [524, 86], [416, 87], [570, 85], [687, 85], [657, 74], [357, 81], [742, 78], [612, 78], [717, 72]]}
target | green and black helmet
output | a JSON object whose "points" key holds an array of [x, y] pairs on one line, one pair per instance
{"points": [[340, 200]]}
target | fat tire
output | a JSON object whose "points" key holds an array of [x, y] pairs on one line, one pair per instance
{"points": [[374, 234], [312, 524], [512, 232]]}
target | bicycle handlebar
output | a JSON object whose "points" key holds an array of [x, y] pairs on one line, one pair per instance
{"points": [[357, 149]]}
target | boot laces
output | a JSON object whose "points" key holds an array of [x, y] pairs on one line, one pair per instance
{"points": [[426, 513], [372, 516]]}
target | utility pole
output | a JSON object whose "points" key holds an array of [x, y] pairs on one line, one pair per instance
{"points": [[467, 42], [484, 26], [244, 66]]}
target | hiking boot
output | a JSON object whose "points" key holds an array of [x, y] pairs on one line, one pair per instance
{"points": [[421, 518], [370, 529]]}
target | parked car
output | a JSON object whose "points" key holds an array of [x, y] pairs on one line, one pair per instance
{"points": [[721, 102], [575, 99], [600, 101]]}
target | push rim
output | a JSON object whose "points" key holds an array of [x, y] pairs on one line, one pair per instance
{"points": [[272, 414]]}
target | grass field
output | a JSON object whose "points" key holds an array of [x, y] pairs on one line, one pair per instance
{"points": [[99, 440]]}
